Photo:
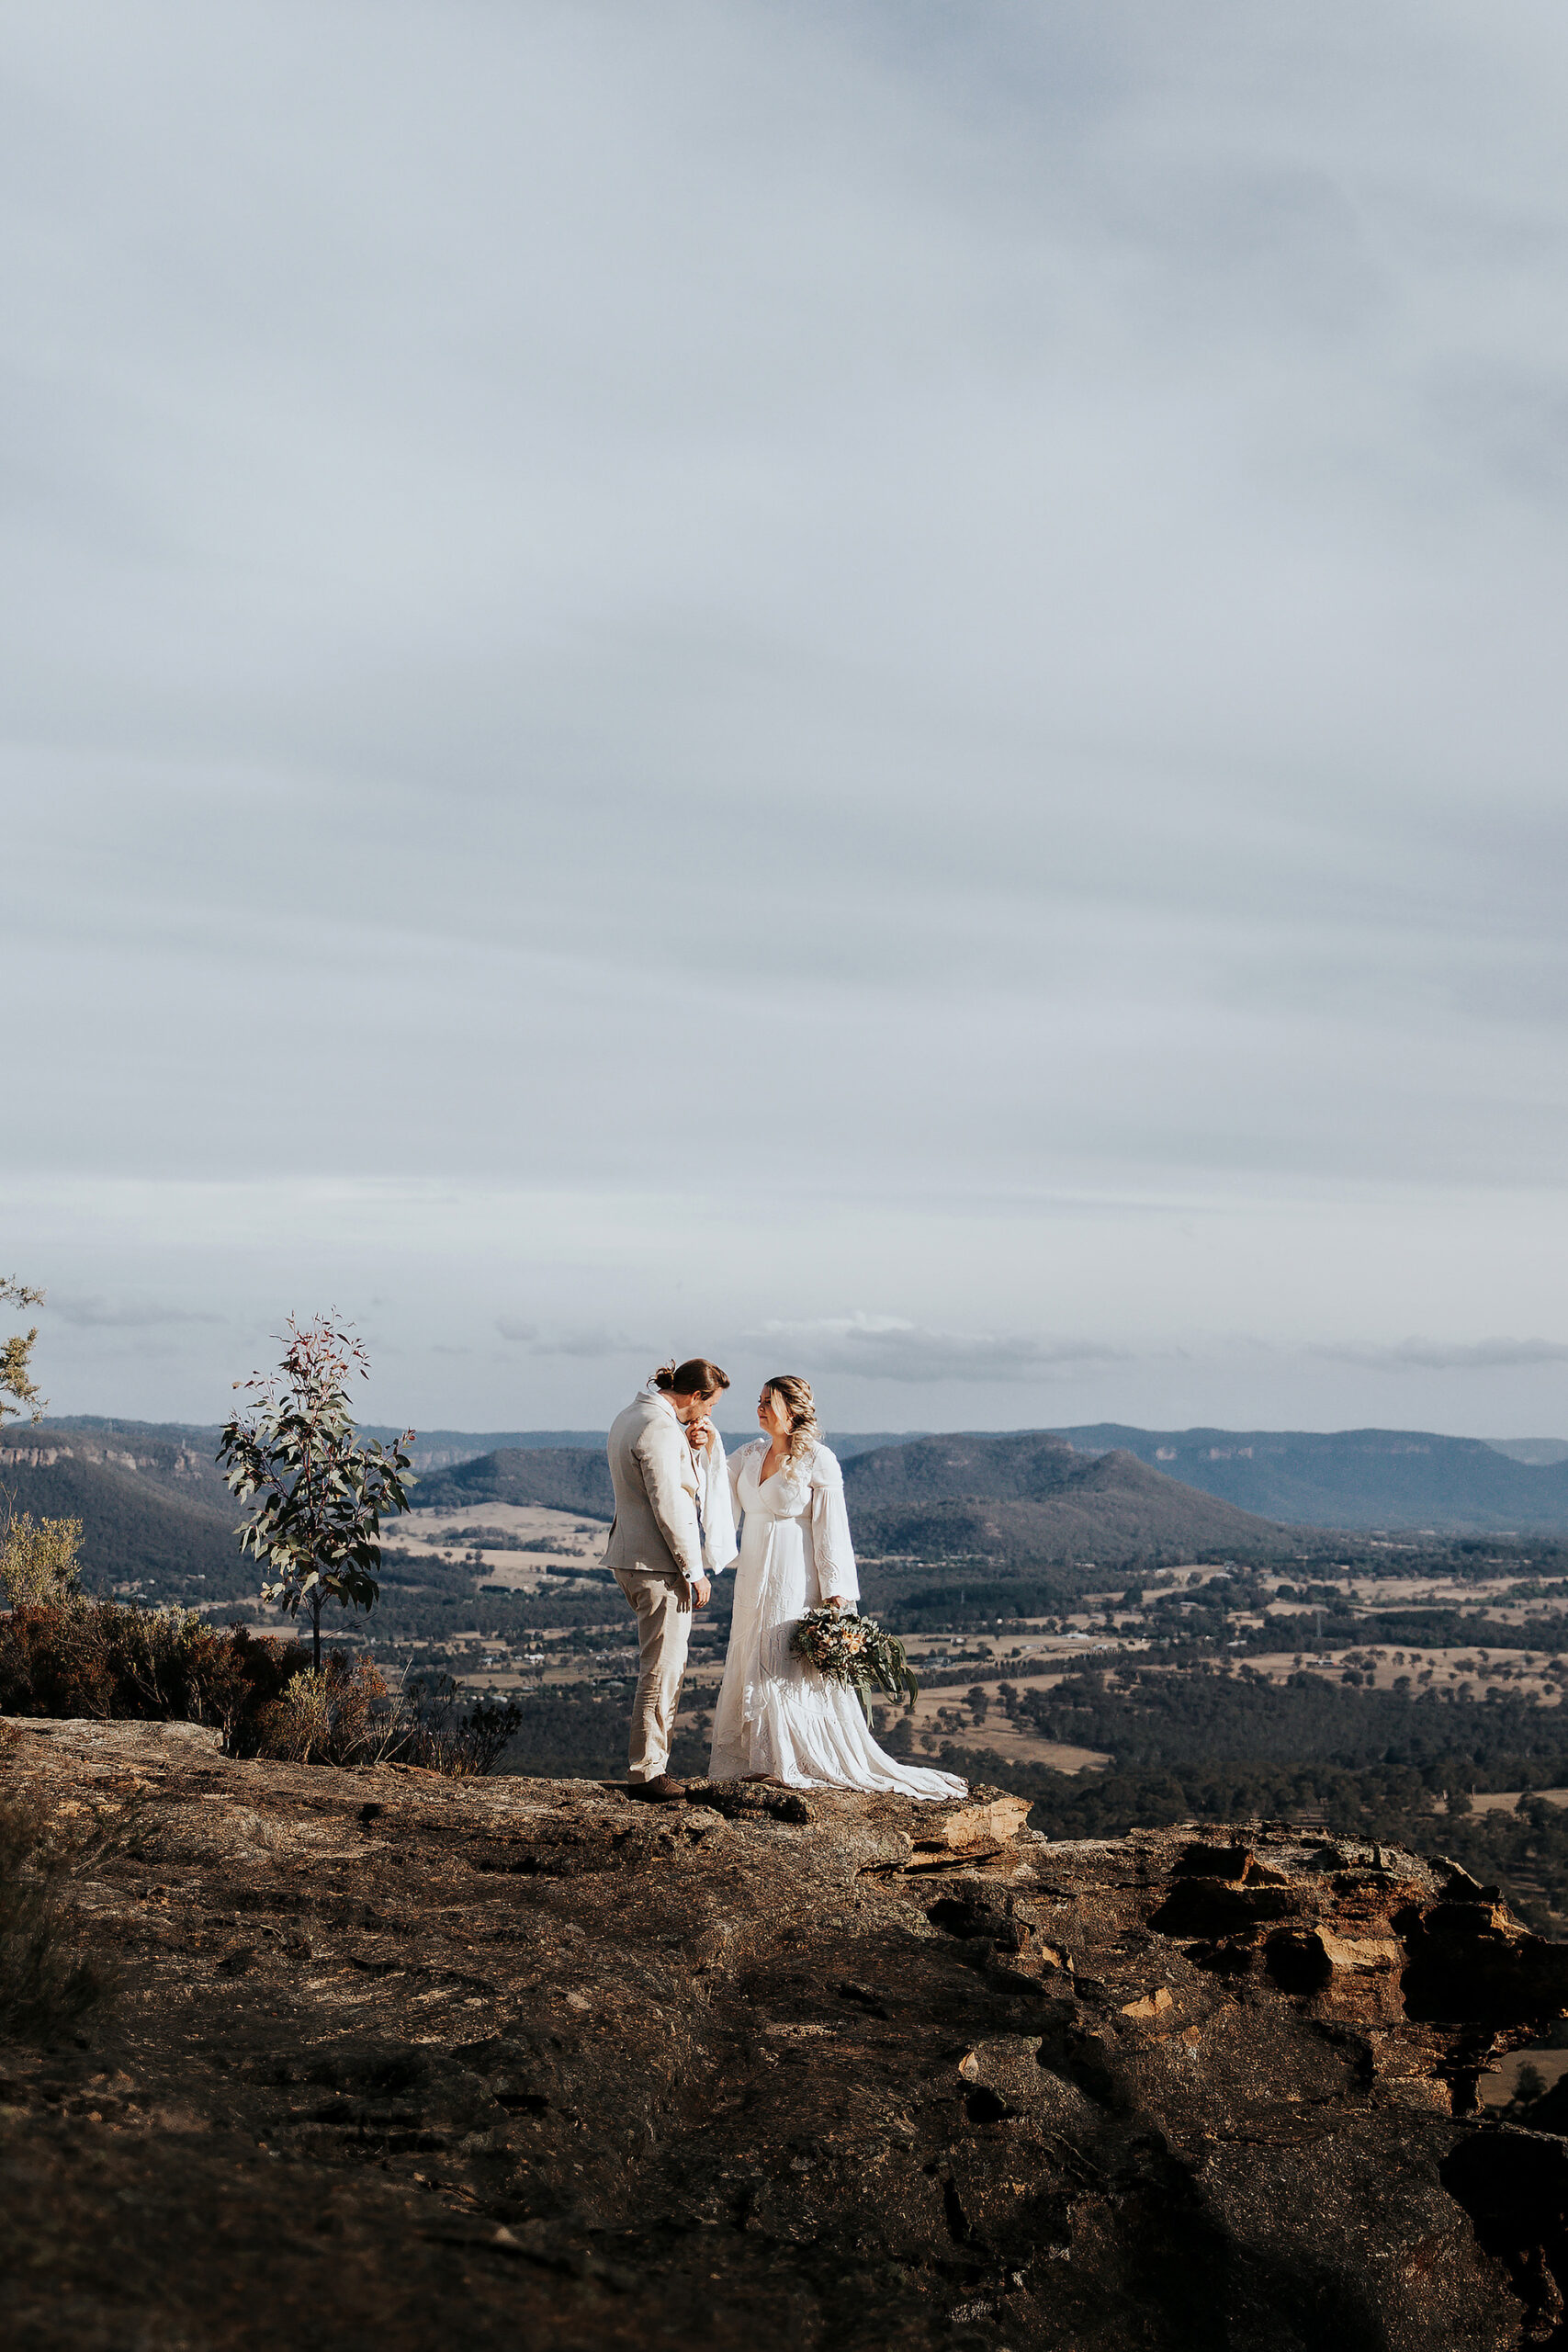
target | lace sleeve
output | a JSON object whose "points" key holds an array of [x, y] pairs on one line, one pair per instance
{"points": [[834, 1554]]}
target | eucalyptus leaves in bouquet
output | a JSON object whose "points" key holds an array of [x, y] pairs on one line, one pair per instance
{"points": [[319, 1493], [856, 1650]]}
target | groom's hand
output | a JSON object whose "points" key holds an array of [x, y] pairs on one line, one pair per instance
{"points": [[698, 1592]]}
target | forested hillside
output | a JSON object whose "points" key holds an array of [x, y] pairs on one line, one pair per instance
{"points": [[138, 1527], [558, 1477]]}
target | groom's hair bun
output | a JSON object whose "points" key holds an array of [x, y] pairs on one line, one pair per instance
{"points": [[696, 1377]]}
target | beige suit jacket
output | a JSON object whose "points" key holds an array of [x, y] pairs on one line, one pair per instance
{"points": [[655, 1480]]}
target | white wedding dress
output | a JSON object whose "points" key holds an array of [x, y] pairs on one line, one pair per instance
{"points": [[776, 1713]]}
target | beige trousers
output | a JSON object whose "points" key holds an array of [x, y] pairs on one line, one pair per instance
{"points": [[664, 1630]]}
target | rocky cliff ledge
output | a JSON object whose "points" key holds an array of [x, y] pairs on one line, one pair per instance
{"points": [[404, 2062]]}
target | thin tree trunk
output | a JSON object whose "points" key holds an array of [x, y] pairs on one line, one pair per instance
{"points": [[316, 1632]]}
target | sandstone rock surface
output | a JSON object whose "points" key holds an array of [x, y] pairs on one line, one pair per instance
{"points": [[401, 2061]]}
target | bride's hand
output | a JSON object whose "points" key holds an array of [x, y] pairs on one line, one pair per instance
{"points": [[832, 1601], [700, 1436]]}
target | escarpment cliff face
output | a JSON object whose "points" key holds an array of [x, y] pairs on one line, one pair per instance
{"points": [[401, 2061]]}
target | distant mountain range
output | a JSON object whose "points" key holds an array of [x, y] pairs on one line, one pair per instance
{"points": [[432, 1449], [1356, 1478], [1022, 1497], [1352, 1479], [1031, 1500], [155, 1511]]}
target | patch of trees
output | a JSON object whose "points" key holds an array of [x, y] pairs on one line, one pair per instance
{"points": [[1149, 1717], [973, 1600], [404, 1617], [1450, 1629], [578, 1731], [1211, 1745]]}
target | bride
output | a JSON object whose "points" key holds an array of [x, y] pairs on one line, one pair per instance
{"points": [[778, 1718]]}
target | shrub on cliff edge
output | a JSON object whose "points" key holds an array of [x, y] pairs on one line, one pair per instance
{"points": [[342, 1714], [38, 1558], [334, 1714], [102, 1658]]}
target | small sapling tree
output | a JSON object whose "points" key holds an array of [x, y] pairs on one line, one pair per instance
{"points": [[17, 1391], [317, 1524]]}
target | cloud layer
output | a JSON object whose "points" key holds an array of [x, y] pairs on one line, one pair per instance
{"points": [[1432, 1355], [99, 1314], [881, 1348], [712, 664]]}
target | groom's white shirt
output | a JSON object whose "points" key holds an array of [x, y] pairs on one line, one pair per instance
{"points": [[672, 1507]]}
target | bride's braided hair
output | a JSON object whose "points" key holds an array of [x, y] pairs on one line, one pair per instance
{"points": [[794, 1395]]}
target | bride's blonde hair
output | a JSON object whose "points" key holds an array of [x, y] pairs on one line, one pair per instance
{"points": [[794, 1395]]}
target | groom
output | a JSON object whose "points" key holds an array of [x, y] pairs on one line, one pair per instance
{"points": [[673, 1527]]}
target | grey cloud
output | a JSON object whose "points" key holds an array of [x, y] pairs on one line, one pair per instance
{"points": [[97, 1314], [591, 1345], [882, 1347], [1434, 1356], [588, 1344]]}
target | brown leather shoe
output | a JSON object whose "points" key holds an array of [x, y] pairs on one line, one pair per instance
{"points": [[661, 1790]]}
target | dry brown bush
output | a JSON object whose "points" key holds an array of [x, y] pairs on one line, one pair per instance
{"points": [[102, 1658], [336, 1714], [342, 1714]]}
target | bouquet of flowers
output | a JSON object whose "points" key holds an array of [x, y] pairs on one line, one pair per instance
{"points": [[858, 1651]]}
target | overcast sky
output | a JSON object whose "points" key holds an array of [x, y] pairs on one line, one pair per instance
{"points": [[876, 688]]}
